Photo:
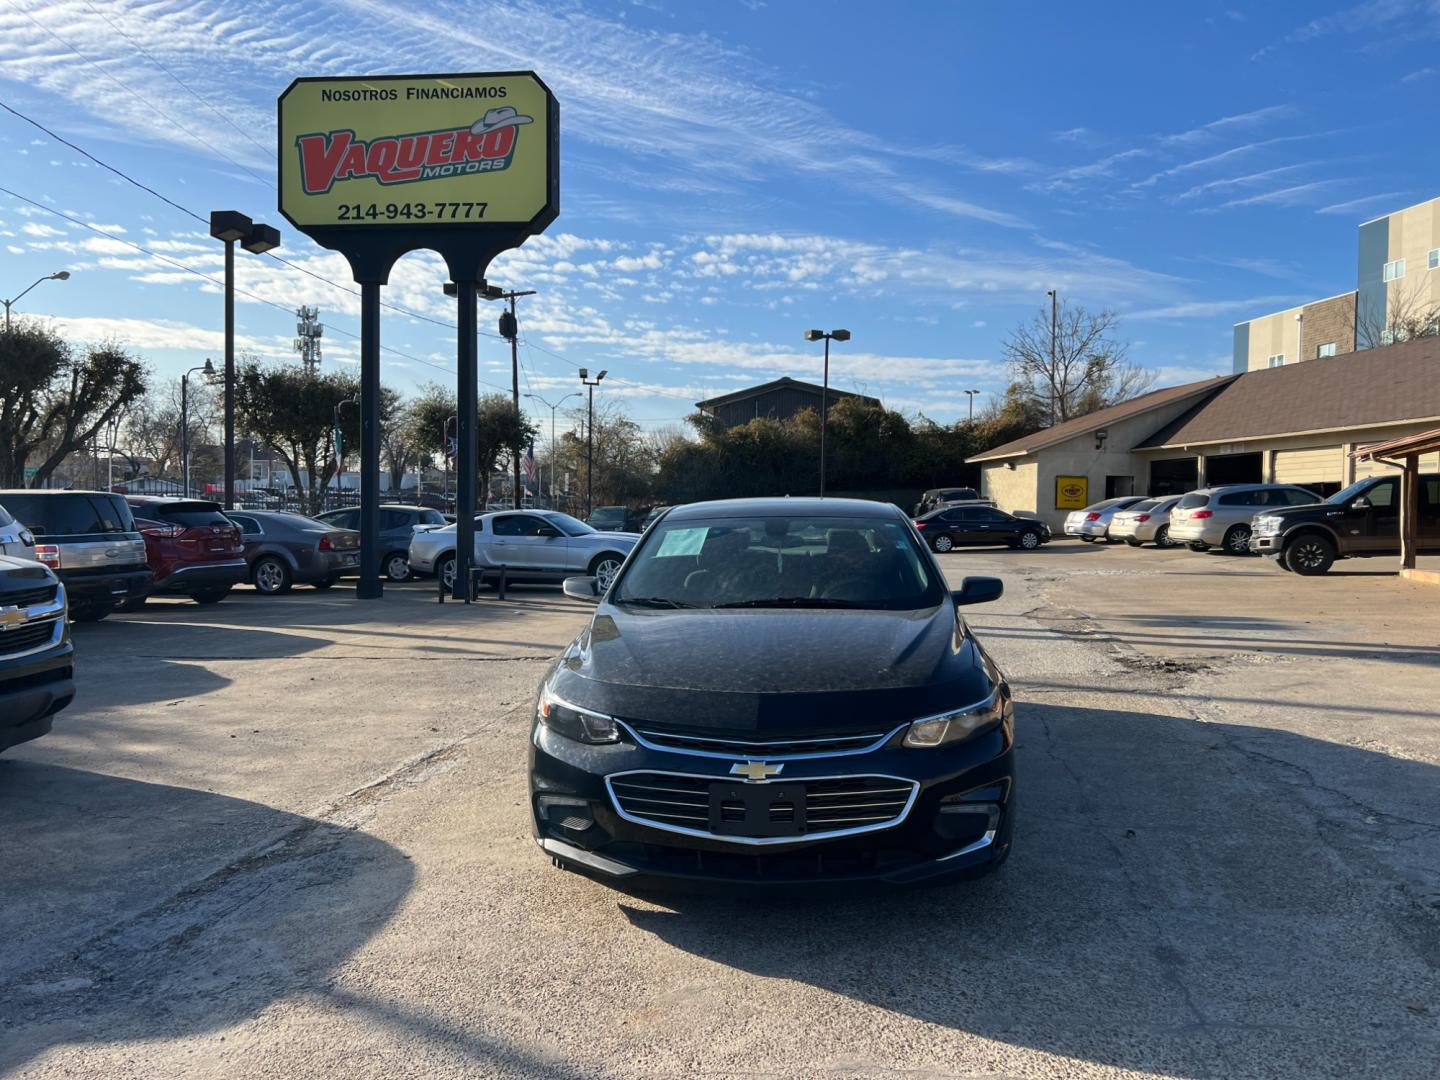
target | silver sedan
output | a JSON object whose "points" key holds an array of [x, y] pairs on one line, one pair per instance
{"points": [[532, 545], [1145, 522]]}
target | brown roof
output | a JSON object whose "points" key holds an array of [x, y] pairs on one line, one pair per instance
{"points": [[1376, 386], [778, 384], [1096, 420]]}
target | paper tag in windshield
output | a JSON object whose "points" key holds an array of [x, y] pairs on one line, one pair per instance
{"points": [[682, 542]]}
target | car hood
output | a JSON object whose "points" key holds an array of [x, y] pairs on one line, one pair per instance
{"points": [[782, 672], [1305, 510]]}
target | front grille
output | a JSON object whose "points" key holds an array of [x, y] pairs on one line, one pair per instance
{"points": [[719, 746], [29, 636], [831, 806], [28, 597]]}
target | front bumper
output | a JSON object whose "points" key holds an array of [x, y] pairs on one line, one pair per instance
{"points": [[33, 689], [1272, 544], [202, 577], [920, 844]]}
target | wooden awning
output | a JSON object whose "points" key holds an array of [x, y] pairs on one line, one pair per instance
{"points": [[1423, 443]]}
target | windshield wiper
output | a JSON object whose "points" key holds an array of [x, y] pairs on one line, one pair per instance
{"points": [[792, 602], [653, 601]]}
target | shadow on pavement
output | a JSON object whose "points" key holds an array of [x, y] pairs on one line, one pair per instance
{"points": [[161, 934], [1183, 898]]}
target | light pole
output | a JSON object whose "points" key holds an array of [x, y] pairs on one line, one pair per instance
{"points": [[552, 408], [208, 368], [590, 440], [230, 226], [445, 451], [62, 275], [818, 335], [340, 444], [971, 395], [1054, 312]]}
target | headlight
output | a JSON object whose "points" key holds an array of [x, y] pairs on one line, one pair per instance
{"points": [[1267, 525], [573, 722], [961, 724]]}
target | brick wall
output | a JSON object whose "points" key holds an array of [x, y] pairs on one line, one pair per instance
{"points": [[1330, 320]]}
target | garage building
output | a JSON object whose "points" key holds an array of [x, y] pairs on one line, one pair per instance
{"points": [[1294, 424]]}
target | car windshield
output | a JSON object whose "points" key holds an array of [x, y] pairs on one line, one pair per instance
{"points": [[568, 525], [1344, 495], [429, 517], [779, 562]]}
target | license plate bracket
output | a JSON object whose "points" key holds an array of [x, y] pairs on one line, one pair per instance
{"points": [[757, 810]]}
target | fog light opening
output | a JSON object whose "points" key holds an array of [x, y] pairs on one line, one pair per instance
{"points": [[566, 812]]}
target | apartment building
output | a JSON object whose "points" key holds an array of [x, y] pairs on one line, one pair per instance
{"points": [[1397, 296]]}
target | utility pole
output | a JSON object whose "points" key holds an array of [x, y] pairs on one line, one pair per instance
{"points": [[510, 330], [1054, 311], [307, 344]]}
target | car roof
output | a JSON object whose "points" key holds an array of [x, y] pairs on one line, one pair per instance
{"points": [[1240, 487], [785, 507], [52, 493]]}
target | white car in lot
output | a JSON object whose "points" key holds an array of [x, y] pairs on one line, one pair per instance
{"points": [[532, 545], [1093, 523]]}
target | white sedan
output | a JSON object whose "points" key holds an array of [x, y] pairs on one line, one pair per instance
{"points": [[532, 545]]}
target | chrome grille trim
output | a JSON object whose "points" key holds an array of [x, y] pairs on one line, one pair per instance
{"points": [[872, 823], [761, 748]]}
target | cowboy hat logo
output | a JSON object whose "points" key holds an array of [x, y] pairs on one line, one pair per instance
{"points": [[502, 117]]}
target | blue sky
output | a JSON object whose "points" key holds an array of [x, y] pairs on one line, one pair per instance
{"points": [[735, 171]]}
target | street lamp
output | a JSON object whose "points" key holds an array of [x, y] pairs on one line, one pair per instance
{"points": [[971, 395], [590, 440], [819, 335], [552, 408], [445, 451], [208, 368], [353, 399], [229, 226], [63, 275]]}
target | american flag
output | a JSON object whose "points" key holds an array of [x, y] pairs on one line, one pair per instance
{"points": [[530, 467]]}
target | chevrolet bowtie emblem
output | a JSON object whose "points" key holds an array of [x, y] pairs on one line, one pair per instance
{"points": [[755, 770], [12, 617]]}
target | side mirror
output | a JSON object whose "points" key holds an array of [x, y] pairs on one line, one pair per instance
{"points": [[548, 531], [1361, 503], [582, 588], [978, 590]]}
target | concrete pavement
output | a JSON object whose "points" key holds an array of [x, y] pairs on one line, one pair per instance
{"points": [[1227, 862]]}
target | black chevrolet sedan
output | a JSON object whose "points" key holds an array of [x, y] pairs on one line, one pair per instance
{"points": [[967, 526], [776, 691]]}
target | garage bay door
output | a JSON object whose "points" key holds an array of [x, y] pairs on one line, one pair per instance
{"points": [[1429, 463], [1323, 465]]}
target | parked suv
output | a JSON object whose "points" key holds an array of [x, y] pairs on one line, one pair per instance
{"points": [[193, 549], [612, 519], [90, 540], [1220, 516], [1362, 520], [938, 497], [15, 538], [37, 661], [398, 523]]}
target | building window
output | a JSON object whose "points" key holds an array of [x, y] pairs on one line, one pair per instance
{"points": [[1328, 349], [1394, 271], [1277, 360], [1434, 258]]}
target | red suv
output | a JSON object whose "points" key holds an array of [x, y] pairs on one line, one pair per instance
{"points": [[193, 549]]}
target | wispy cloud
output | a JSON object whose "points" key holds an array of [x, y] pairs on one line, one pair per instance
{"points": [[1365, 203], [1228, 183], [1295, 195], [1226, 124], [1209, 309]]}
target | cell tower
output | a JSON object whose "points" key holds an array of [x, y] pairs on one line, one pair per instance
{"points": [[307, 344]]}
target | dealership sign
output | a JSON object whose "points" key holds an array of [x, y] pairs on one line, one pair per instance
{"points": [[1072, 492], [421, 152]]}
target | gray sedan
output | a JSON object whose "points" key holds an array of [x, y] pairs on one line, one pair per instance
{"points": [[532, 545], [284, 549]]}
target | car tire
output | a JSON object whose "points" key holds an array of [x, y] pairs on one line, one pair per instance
{"points": [[210, 596], [1309, 555], [135, 603], [604, 567], [397, 567], [1132, 541], [1162, 537], [942, 543], [1087, 539], [445, 571], [1196, 545], [1029, 540], [324, 583], [270, 576], [1282, 563], [1237, 540], [89, 612]]}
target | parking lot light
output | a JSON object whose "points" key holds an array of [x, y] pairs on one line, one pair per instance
{"points": [[821, 335]]}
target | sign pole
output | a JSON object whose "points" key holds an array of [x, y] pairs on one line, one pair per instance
{"points": [[369, 587], [466, 444]]}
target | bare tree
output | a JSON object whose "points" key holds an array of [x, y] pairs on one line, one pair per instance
{"points": [[1409, 312], [1081, 368]]}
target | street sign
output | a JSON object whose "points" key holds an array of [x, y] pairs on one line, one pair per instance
{"points": [[418, 152]]}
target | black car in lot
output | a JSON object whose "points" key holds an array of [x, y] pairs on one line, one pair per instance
{"points": [[776, 691], [91, 541], [1360, 521], [969, 526], [37, 660]]}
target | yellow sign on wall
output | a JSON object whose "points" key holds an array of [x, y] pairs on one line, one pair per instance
{"points": [[418, 151], [1072, 492]]}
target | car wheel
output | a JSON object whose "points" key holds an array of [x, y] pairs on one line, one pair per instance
{"points": [[1162, 537], [1282, 562], [211, 596], [445, 571], [89, 612], [943, 543], [604, 568], [1196, 545], [1237, 540], [1309, 555], [1087, 539], [1029, 540], [397, 566], [271, 576], [1132, 541], [324, 583], [135, 603]]}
